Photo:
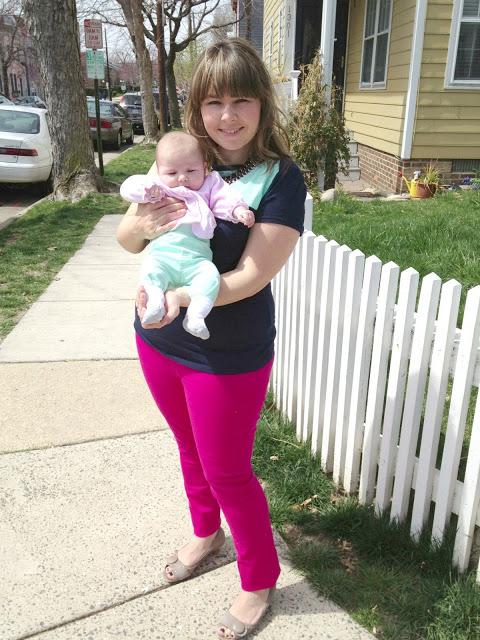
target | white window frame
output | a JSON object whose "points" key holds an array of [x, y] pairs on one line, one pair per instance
{"points": [[383, 83], [270, 44], [281, 37], [450, 82]]}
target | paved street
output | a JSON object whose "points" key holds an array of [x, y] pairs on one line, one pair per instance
{"points": [[15, 198]]}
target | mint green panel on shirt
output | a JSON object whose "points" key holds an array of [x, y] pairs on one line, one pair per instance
{"points": [[256, 183]]}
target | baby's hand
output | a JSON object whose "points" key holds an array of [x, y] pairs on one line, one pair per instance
{"points": [[155, 193], [245, 216]]}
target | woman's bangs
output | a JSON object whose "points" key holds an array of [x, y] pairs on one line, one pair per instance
{"points": [[230, 77]]}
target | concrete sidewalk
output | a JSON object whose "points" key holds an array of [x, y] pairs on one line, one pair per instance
{"points": [[90, 486]]}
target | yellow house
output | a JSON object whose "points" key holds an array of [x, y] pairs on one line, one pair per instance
{"points": [[410, 73]]}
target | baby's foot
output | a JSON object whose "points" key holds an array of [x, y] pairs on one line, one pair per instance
{"points": [[196, 326], [155, 305], [153, 315]]}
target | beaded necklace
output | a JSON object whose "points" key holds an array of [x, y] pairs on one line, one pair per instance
{"points": [[241, 171]]}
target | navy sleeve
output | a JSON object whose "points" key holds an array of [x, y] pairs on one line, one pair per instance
{"points": [[284, 202]]}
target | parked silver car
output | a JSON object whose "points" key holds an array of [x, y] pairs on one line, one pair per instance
{"points": [[116, 126]]}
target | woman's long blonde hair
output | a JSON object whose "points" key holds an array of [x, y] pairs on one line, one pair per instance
{"points": [[232, 67]]}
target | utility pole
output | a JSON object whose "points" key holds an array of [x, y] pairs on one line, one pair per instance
{"points": [[162, 85]]}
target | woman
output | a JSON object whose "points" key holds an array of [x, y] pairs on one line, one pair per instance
{"points": [[211, 392]]}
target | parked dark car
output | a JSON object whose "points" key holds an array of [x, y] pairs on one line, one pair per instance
{"points": [[132, 103], [116, 125], [4, 99], [31, 101]]}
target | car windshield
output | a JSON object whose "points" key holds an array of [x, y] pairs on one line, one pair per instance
{"points": [[133, 101], [19, 122], [105, 109]]}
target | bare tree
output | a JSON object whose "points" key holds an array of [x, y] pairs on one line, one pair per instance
{"points": [[132, 10], [11, 44], [54, 30], [187, 20]]}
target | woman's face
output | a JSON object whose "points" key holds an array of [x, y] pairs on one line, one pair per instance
{"points": [[232, 124]]}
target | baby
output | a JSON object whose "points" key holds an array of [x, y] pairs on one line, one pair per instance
{"points": [[182, 256]]}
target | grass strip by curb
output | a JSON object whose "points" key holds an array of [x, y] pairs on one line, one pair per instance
{"points": [[37, 245], [394, 587], [137, 159]]}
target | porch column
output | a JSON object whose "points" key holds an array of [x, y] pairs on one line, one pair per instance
{"points": [[327, 43]]}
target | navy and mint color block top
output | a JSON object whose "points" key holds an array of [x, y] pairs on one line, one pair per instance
{"points": [[242, 333]]}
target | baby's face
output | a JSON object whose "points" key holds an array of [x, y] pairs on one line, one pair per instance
{"points": [[181, 168]]}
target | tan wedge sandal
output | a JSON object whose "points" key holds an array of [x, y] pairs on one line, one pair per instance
{"points": [[240, 629], [182, 571]]}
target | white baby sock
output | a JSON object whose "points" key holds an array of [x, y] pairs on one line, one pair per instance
{"points": [[155, 304], [194, 321]]}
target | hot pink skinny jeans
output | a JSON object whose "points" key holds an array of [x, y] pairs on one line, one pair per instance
{"points": [[214, 418]]}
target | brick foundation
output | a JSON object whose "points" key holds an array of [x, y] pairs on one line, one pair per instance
{"points": [[383, 170]]}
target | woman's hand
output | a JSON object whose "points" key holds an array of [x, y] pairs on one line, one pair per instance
{"points": [[156, 218], [172, 308], [144, 222]]}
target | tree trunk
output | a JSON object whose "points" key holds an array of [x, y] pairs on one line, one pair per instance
{"points": [[54, 30], [174, 109], [132, 10], [6, 86]]}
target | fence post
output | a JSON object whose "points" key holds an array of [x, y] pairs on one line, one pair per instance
{"points": [[317, 294], [382, 342], [306, 300], [402, 340], [363, 354], [323, 342], [356, 264], [417, 376], [467, 354], [437, 388]]}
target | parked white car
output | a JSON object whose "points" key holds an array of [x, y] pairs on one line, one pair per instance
{"points": [[25, 145]]}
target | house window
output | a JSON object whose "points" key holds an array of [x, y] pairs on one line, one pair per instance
{"points": [[375, 43], [463, 65]]}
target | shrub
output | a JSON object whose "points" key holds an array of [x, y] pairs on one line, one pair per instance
{"points": [[317, 132]]}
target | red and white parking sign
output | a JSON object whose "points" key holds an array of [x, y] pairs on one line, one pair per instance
{"points": [[93, 34]]}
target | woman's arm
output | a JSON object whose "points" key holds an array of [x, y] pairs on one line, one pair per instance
{"points": [[144, 222], [131, 231], [267, 250]]}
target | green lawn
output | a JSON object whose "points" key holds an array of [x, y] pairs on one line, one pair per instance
{"points": [[441, 234]]}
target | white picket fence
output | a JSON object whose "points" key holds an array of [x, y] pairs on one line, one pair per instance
{"points": [[356, 367]]}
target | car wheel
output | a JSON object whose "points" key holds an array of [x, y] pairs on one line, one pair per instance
{"points": [[118, 143]]}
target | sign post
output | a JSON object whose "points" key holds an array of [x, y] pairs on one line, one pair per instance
{"points": [[96, 71]]}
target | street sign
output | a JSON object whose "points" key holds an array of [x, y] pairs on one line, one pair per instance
{"points": [[95, 64], [93, 34]]}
